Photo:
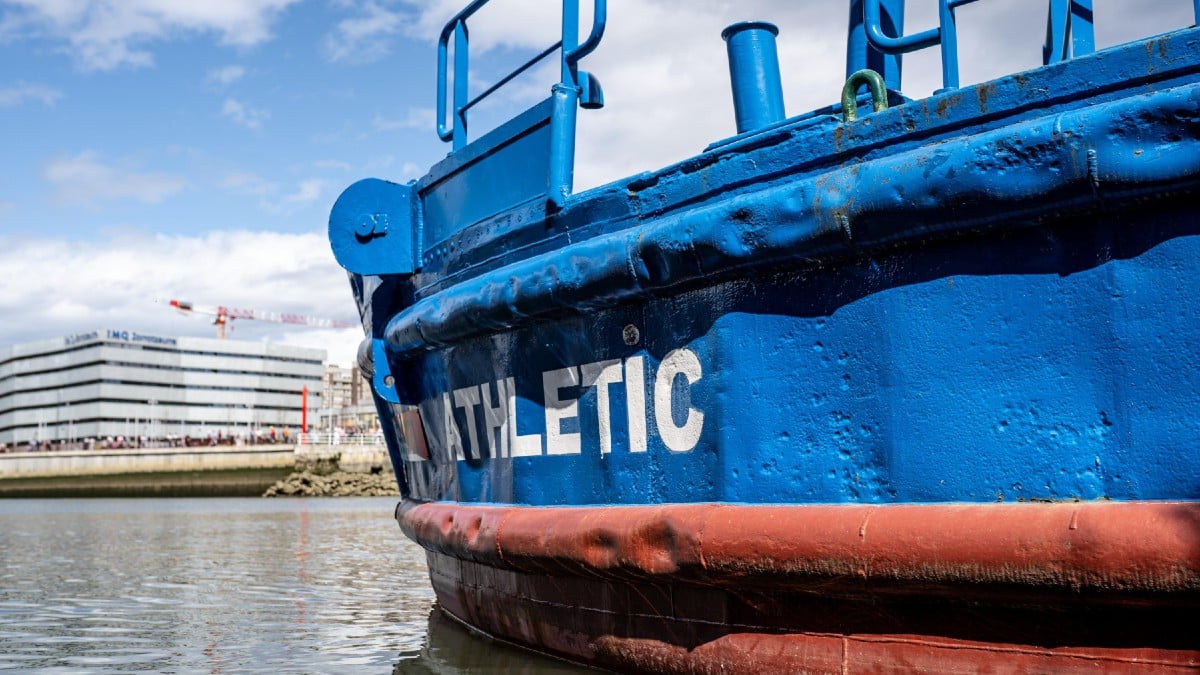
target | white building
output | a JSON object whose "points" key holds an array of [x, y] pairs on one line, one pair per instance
{"points": [[348, 406], [108, 383]]}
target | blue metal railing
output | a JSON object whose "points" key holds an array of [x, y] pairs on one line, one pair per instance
{"points": [[1069, 32], [572, 51]]}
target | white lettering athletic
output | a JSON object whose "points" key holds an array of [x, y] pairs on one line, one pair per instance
{"points": [[491, 408]]}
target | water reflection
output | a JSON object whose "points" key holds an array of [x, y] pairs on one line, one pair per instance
{"points": [[451, 649], [213, 584], [226, 585]]}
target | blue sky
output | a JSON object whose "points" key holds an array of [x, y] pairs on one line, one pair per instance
{"points": [[158, 149], [193, 124]]}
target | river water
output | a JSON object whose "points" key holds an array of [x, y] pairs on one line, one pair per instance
{"points": [[227, 585]]}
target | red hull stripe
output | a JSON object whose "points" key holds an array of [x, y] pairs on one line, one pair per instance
{"points": [[1108, 547], [1072, 588]]}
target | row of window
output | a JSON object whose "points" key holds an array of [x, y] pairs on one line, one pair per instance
{"points": [[135, 364], [153, 348], [169, 387], [162, 417], [148, 367], [159, 403]]}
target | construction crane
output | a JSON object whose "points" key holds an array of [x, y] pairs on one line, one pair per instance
{"points": [[223, 316]]}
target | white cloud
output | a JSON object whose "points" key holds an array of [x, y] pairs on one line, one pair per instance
{"points": [[415, 118], [21, 92], [108, 34], [411, 171], [247, 183], [380, 163], [529, 23], [306, 192], [128, 282], [86, 179], [245, 115], [667, 102], [663, 67], [272, 198], [226, 75], [364, 38]]}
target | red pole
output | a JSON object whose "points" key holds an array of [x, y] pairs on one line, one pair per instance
{"points": [[303, 412]]}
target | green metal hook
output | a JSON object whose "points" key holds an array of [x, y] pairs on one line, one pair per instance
{"points": [[874, 82]]}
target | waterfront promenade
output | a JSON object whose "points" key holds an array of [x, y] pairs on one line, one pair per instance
{"points": [[174, 468]]}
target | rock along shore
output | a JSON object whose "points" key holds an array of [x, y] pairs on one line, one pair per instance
{"points": [[308, 483]]}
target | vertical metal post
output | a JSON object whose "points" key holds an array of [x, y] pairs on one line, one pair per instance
{"points": [[1054, 50], [565, 96], [303, 413], [860, 55], [1083, 34], [754, 74], [570, 39], [856, 40], [949, 35], [461, 92], [1069, 31]]}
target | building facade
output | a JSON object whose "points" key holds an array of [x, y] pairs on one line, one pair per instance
{"points": [[107, 384], [347, 404], [344, 387]]}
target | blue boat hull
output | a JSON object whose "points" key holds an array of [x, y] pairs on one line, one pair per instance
{"points": [[911, 392], [1056, 363]]}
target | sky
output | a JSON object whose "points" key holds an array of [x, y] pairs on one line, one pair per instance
{"points": [[157, 149]]}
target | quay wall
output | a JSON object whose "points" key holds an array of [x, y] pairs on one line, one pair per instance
{"points": [[364, 458], [70, 463], [352, 458], [187, 472]]}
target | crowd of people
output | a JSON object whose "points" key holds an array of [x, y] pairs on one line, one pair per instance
{"points": [[265, 436]]}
